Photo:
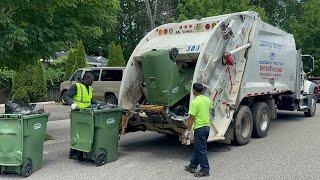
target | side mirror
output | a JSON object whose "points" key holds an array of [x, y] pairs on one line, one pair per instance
{"points": [[309, 64]]}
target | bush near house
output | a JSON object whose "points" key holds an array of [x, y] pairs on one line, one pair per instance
{"points": [[29, 80], [75, 60], [116, 58]]}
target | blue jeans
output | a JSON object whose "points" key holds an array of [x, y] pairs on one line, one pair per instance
{"points": [[200, 149]]}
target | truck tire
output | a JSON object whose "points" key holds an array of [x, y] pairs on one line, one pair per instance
{"points": [[311, 112], [243, 125], [261, 120], [111, 99]]}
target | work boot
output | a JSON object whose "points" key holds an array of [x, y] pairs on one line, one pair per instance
{"points": [[201, 174], [190, 169]]}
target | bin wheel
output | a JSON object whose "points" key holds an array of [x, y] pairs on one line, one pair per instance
{"points": [[101, 159], [80, 156], [174, 52], [27, 168]]}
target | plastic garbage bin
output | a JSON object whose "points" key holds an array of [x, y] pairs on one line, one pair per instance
{"points": [[21, 142], [95, 134]]}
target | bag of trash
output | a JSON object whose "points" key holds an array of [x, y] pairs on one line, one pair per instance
{"points": [[22, 108], [103, 106]]}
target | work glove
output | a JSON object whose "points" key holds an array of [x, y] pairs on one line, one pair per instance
{"points": [[74, 106], [187, 134], [186, 138]]}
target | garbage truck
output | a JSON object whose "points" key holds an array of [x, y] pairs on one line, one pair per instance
{"points": [[250, 69]]}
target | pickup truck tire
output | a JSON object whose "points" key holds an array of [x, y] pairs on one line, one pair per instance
{"points": [[111, 99], [261, 119], [242, 126], [311, 112]]}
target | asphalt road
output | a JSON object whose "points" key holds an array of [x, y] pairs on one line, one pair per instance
{"points": [[57, 111], [290, 151]]}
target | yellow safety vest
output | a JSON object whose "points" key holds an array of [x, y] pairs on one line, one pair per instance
{"points": [[83, 97]]}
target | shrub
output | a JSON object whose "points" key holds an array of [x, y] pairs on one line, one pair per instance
{"points": [[31, 80], [6, 80], [115, 57], [76, 59], [20, 95], [54, 76]]}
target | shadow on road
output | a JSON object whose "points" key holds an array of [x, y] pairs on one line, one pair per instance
{"points": [[168, 147], [290, 116]]}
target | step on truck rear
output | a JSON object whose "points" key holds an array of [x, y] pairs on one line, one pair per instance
{"points": [[250, 70]]}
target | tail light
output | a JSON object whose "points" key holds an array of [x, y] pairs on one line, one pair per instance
{"points": [[207, 26]]}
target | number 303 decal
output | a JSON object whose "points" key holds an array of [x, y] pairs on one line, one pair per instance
{"points": [[193, 48]]}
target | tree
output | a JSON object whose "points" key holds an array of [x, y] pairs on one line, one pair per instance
{"points": [[76, 59], [306, 30], [34, 30], [30, 81], [280, 13], [115, 57], [134, 22], [190, 9]]}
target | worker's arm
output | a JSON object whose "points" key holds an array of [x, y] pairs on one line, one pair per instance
{"points": [[67, 96], [190, 122]]}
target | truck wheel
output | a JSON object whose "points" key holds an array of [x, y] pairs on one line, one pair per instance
{"points": [[111, 99], [27, 168], [311, 112], [101, 159], [261, 120], [242, 125]]}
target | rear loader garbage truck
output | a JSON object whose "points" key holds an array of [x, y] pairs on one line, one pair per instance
{"points": [[249, 68]]}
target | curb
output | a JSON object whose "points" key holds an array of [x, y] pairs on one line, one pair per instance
{"points": [[45, 103]]}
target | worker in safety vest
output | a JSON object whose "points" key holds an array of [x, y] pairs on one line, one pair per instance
{"points": [[79, 96]]}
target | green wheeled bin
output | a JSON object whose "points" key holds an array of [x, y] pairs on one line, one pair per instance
{"points": [[95, 133], [21, 142]]}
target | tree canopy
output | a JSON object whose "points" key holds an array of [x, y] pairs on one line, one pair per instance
{"points": [[31, 30]]}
